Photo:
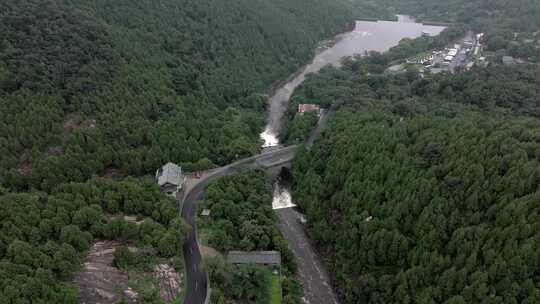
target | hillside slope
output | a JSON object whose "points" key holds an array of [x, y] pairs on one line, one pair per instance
{"points": [[92, 92], [428, 210], [129, 85], [424, 188]]}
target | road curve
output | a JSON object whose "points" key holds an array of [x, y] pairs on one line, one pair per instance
{"points": [[197, 280]]}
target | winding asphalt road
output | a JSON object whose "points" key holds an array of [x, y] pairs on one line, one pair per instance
{"points": [[197, 280]]}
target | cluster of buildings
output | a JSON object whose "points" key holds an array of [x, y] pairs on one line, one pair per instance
{"points": [[463, 54], [451, 53], [470, 46], [423, 60], [446, 57]]}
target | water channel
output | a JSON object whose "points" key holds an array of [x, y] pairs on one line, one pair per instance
{"points": [[366, 36]]}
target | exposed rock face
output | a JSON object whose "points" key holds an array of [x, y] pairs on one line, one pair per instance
{"points": [[100, 282], [168, 280]]}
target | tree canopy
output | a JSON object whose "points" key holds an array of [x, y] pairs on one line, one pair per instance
{"points": [[92, 92], [424, 188], [242, 219], [44, 236], [427, 209], [87, 87]]}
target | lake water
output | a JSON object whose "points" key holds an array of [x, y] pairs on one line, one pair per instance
{"points": [[366, 36]]}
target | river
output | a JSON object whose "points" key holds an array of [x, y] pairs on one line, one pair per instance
{"points": [[366, 36]]}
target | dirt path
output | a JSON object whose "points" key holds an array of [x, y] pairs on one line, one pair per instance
{"points": [[313, 275]]}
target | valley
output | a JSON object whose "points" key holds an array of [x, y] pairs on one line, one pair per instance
{"points": [[299, 151]]}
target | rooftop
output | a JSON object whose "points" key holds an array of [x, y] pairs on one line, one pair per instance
{"points": [[508, 60], [169, 174], [254, 257], [305, 107]]}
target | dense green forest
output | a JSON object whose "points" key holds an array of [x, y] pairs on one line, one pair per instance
{"points": [[242, 219], [432, 209], [43, 237], [425, 188], [497, 88], [87, 87], [92, 92]]}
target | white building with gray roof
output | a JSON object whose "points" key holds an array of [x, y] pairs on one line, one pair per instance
{"points": [[170, 178]]}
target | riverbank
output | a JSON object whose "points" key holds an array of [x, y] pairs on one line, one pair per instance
{"points": [[324, 45], [365, 36]]}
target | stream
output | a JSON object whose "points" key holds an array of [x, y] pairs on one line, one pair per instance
{"points": [[365, 37]]}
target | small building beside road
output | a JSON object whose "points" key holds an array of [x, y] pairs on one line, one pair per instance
{"points": [[508, 60], [306, 107], [265, 258], [270, 260], [170, 178]]}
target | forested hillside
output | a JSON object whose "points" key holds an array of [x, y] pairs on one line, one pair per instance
{"points": [[92, 86], [426, 210], [425, 188], [94, 91], [43, 237]]}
